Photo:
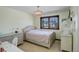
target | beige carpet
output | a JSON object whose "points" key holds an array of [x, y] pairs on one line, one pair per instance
{"points": [[30, 47]]}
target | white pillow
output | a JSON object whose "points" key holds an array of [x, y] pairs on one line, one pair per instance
{"points": [[28, 28]]}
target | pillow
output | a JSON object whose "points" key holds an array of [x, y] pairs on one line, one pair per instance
{"points": [[28, 28]]}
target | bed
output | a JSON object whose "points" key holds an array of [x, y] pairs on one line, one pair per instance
{"points": [[40, 36]]}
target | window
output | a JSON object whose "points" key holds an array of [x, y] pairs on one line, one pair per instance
{"points": [[49, 22]]}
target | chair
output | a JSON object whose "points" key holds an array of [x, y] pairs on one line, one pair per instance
{"points": [[15, 41]]}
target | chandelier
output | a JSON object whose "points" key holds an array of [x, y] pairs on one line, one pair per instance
{"points": [[38, 12]]}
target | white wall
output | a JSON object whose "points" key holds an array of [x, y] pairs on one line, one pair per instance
{"points": [[78, 31], [10, 19], [62, 15], [75, 17]]}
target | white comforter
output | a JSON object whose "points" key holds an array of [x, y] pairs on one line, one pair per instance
{"points": [[39, 35]]}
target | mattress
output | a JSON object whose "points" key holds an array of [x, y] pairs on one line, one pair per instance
{"points": [[39, 35]]}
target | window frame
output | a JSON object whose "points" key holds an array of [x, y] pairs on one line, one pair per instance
{"points": [[49, 22]]}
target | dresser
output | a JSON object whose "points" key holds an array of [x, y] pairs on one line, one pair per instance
{"points": [[66, 43], [10, 36]]}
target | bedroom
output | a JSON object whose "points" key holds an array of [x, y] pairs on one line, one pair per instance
{"points": [[18, 18]]}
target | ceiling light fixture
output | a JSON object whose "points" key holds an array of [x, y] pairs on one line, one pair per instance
{"points": [[38, 12]]}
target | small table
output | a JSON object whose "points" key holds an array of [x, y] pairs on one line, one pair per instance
{"points": [[8, 47]]}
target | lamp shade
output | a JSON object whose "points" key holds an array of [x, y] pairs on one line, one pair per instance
{"points": [[38, 12]]}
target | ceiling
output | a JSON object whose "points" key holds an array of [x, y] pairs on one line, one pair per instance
{"points": [[45, 9]]}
